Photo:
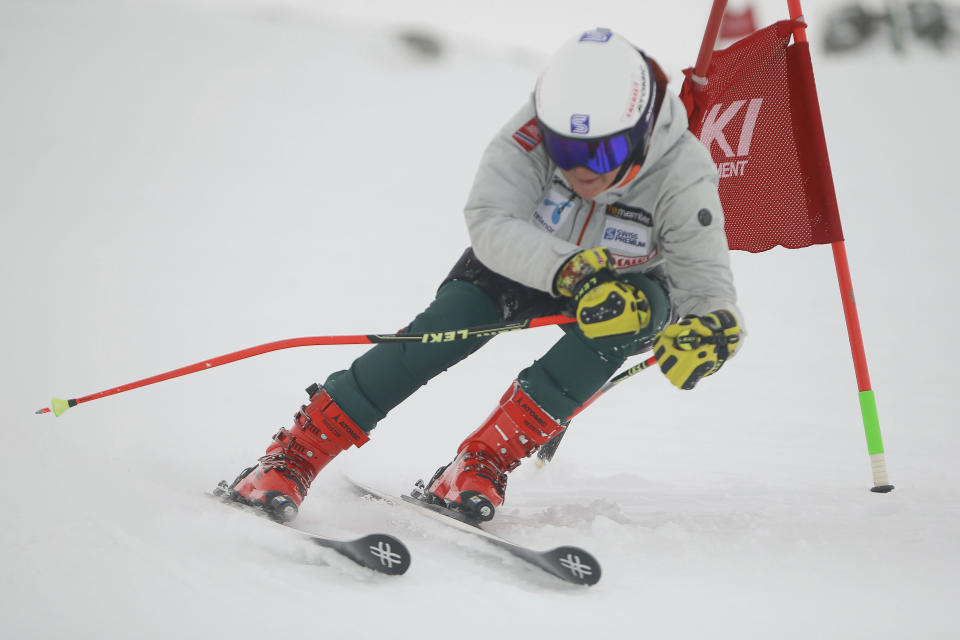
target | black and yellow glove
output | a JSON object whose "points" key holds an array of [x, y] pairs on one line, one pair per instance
{"points": [[605, 305], [696, 347]]}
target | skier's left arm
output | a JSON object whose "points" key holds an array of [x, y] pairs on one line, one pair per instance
{"points": [[697, 265]]}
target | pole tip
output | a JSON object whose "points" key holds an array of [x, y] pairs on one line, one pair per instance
{"points": [[883, 488], [60, 406]]}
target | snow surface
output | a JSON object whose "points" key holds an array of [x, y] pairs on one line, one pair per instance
{"points": [[182, 180]]}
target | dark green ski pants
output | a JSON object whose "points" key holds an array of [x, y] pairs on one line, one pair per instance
{"points": [[560, 381]]}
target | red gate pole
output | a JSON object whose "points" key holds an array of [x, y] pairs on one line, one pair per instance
{"points": [[868, 403], [868, 406], [699, 76]]}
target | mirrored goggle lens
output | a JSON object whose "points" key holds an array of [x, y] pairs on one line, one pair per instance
{"points": [[600, 156]]}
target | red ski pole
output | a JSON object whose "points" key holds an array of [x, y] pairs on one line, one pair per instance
{"points": [[546, 452], [59, 406]]}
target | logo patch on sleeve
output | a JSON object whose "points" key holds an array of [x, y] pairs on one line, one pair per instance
{"points": [[528, 136]]}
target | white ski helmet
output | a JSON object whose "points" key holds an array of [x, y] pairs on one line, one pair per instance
{"points": [[595, 102]]}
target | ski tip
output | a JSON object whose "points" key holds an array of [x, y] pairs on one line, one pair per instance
{"points": [[382, 553], [575, 565]]}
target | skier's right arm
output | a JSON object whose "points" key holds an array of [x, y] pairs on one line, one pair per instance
{"points": [[506, 190]]}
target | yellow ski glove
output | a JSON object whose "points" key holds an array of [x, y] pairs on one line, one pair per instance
{"points": [[605, 305], [696, 347]]}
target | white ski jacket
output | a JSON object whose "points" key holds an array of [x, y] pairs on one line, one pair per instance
{"points": [[525, 221]]}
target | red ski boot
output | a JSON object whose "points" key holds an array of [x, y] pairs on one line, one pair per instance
{"points": [[476, 481], [280, 481]]}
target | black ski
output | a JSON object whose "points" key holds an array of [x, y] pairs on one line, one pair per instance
{"points": [[571, 564], [378, 551]]}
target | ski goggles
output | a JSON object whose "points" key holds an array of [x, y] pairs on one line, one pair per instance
{"points": [[599, 155]]}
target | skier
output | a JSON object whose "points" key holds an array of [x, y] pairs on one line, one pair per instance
{"points": [[593, 199]]}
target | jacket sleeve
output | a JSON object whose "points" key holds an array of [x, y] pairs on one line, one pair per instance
{"points": [[508, 186], [695, 251]]}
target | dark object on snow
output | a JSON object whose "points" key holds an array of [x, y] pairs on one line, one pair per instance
{"points": [[853, 25], [421, 44], [849, 27], [929, 21]]}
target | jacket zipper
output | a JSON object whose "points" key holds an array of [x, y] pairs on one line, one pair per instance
{"points": [[586, 224]]}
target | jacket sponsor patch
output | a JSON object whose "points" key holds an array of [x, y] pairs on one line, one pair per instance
{"points": [[626, 238], [552, 209], [634, 214], [625, 262], [528, 136]]}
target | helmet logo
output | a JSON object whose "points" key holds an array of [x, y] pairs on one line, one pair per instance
{"points": [[596, 35], [580, 124]]}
